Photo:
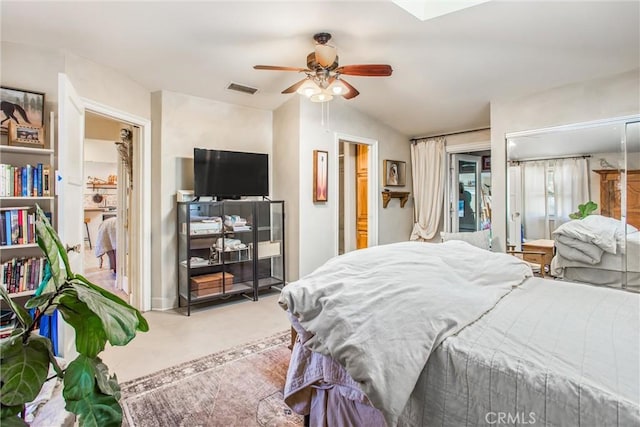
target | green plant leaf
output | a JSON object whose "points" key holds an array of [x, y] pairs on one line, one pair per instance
{"points": [[13, 420], [9, 411], [96, 410], [23, 370], [119, 321], [107, 384], [52, 358], [90, 334], [39, 301], [589, 207], [143, 326], [23, 316], [79, 378], [83, 382], [50, 244]]}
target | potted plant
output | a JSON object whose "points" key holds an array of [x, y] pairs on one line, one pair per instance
{"points": [[96, 315], [584, 210]]}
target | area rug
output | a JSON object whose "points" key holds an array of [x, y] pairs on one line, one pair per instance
{"points": [[238, 387]]}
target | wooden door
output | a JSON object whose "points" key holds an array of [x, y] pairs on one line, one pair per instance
{"points": [[362, 178]]}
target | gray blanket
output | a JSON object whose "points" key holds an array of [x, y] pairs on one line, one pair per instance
{"points": [[380, 312]]}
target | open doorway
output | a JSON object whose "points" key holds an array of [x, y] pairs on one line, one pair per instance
{"points": [[353, 227], [356, 186], [469, 191], [106, 203]]}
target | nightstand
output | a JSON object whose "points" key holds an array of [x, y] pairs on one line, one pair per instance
{"points": [[541, 245]]}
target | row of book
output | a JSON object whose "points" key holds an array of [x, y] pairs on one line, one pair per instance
{"points": [[17, 226], [22, 274], [25, 181]]}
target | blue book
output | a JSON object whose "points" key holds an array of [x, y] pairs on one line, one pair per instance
{"points": [[23, 175], [39, 174], [7, 227], [3, 230]]}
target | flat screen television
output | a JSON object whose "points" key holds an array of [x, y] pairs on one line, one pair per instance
{"points": [[230, 174]]}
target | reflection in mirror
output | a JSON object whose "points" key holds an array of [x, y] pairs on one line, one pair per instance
{"points": [[567, 198]]}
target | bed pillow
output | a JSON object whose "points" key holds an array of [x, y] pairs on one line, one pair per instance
{"points": [[480, 239]]}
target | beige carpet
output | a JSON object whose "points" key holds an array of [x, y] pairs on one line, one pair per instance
{"points": [[238, 387]]}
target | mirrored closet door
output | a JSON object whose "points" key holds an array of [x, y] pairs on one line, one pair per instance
{"points": [[575, 190]]}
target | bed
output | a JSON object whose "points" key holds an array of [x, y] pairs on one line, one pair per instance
{"points": [[106, 242], [419, 334], [597, 250]]}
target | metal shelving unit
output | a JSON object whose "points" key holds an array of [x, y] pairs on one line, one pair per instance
{"points": [[216, 262]]}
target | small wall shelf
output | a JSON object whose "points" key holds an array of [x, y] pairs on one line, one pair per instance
{"points": [[93, 186], [388, 195]]}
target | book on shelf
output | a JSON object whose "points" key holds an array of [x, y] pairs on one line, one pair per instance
{"points": [[22, 274], [18, 226], [46, 180], [25, 181]]}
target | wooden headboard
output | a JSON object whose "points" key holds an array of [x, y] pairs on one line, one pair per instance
{"points": [[610, 195]]}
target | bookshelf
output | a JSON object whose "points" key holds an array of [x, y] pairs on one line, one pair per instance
{"points": [[26, 179]]}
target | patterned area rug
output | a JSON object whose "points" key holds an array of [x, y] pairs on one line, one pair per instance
{"points": [[238, 387]]}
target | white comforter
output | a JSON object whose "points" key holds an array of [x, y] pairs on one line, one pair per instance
{"points": [[106, 240], [380, 312], [585, 240]]}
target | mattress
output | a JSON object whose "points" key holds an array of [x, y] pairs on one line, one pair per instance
{"points": [[549, 353], [598, 276], [556, 353]]}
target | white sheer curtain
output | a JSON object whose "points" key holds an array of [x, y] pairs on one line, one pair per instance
{"points": [[535, 218], [571, 187], [427, 166]]}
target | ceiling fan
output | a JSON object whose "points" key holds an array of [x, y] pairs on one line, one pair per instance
{"points": [[324, 75]]}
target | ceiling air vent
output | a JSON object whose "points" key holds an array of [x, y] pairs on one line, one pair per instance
{"points": [[242, 88]]}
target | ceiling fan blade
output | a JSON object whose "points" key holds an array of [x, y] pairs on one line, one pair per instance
{"points": [[294, 87], [353, 92], [371, 70], [278, 68]]}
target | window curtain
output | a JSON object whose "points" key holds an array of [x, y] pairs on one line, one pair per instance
{"points": [[535, 218], [427, 166], [571, 187]]}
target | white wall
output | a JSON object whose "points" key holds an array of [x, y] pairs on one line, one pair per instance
{"points": [[106, 86], [187, 122], [285, 172], [603, 98], [318, 221]]}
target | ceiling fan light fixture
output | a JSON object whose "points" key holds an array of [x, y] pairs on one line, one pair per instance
{"points": [[337, 87], [309, 88], [323, 96], [325, 55]]}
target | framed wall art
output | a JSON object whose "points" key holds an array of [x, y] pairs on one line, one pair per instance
{"points": [[395, 173], [25, 135], [21, 107], [320, 175]]}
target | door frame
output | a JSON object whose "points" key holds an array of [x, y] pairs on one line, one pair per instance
{"points": [[372, 183], [456, 149], [140, 273]]}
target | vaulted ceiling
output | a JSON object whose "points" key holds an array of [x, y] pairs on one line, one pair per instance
{"points": [[446, 70]]}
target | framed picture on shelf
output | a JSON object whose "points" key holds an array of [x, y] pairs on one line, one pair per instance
{"points": [[320, 175], [486, 163], [26, 135], [22, 107], [395, 173]]}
